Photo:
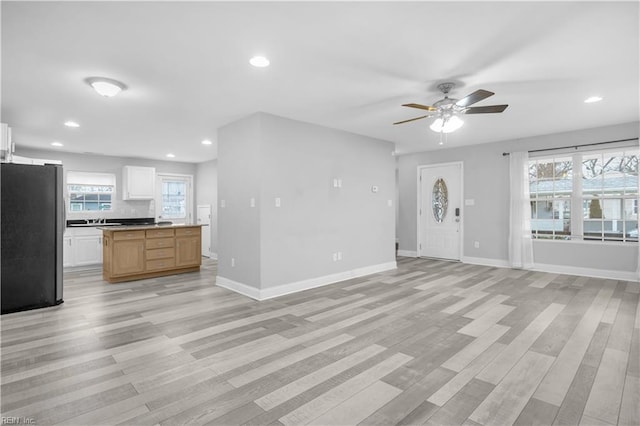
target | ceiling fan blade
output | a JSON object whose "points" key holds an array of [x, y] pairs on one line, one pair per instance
{"points": [[427, 107], [412, 119], [476, 96], [486, 109]]}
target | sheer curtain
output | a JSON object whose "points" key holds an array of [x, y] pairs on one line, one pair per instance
{"points": [[520, 242]]}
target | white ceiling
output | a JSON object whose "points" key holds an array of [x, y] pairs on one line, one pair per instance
{"points": [[345, 65]]}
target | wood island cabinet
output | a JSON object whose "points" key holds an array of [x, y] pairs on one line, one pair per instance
{"points": [[188, 247], [148, 252]]}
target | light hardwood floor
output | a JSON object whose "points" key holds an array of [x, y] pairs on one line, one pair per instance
{"points": [[432, 342]]}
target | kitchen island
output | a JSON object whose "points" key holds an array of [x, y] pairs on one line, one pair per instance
{"points": [[148, 251]]}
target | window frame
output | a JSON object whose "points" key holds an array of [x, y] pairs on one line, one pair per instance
{"points": [[90, 183], [579, 198]]}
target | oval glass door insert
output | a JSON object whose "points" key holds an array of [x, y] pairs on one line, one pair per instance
{"points": [[440, 200]]}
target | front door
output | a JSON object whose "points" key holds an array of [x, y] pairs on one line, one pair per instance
{"points": [[440, 211]]}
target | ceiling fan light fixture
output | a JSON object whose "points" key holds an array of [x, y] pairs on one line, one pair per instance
{"points": [[449, 125], [106, 87]]}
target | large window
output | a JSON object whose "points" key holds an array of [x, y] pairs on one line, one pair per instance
{"points": [[587, 196], [90, 191], [551, 188]]}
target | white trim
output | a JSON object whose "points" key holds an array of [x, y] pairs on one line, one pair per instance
{"points": [[294, 287], [586, 272], [407, 253], [243, 289], [213, 256], [558, 269], [485, 261], [419, 203]]}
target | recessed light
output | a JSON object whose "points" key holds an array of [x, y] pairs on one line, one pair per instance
{"points": [[170, 155], [259, 61], [206, 142], [592, 99], [106, 86], [71, 124], [56, 144]]}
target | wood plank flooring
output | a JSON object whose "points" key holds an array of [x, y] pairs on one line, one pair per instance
{"points": [[432, 342]]}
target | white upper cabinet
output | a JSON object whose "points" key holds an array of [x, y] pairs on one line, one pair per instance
{"points": [[138, 183]]}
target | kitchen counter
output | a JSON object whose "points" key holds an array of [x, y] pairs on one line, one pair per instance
{"points": [[136, 252], [138, 227]]}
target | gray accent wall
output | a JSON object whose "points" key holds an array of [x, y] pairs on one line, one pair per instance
{"points": [[486, 182], [268, 157]]}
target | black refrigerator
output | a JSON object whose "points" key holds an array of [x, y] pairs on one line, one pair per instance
{"points": [[33, 223]]}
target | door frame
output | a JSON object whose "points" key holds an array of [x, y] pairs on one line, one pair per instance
{"points": [[419, 204], [208, 228], [157, 201]]}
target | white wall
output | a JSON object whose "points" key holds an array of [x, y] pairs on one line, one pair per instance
{"points": [[207, 193], [486, 181], [109, 164], [267, 157]]}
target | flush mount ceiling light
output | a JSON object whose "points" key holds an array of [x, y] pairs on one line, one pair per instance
{"points": [[106, 86], [56, 144], [206, 142], [592, 99], [259, 61], [71, 124]]}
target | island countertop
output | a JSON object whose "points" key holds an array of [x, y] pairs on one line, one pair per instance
{"points": [[144, 227]]}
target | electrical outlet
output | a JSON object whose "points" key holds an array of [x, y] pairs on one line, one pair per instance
{"points": [[278, 203], [252, 202], [389, 203], [476, 244], [233, 262], [339, 255], [335, 183], [335, 257]]}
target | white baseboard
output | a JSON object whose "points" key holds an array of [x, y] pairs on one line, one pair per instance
{"points": [[243, 289], [213, 256], [586, 272], [294, 287], [558, 269], [483, 261], [407, 253]]}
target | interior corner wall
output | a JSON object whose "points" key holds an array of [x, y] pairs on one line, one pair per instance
{"points": [[335, 217], [486, 182], [207, 194], [300, 163], [239, 173]]}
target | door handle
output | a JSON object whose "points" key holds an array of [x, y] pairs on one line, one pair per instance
{"points": [[457, 211]]}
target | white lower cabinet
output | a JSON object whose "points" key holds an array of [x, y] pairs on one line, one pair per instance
{"points": [[83, 246]]}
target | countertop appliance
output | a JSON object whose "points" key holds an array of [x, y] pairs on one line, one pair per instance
{"points": [[33, 223]]}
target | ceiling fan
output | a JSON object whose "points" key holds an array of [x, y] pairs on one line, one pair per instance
{"points": [[447, 110]]}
